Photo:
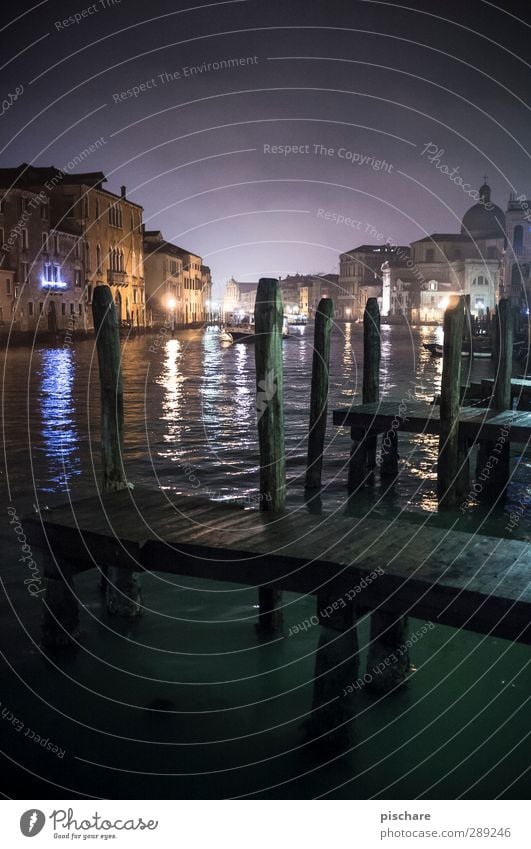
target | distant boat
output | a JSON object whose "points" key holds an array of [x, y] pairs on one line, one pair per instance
{"points": [[299, 319], [435, 349], [243, 329]]}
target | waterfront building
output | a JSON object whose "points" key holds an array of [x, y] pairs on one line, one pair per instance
{"points": [[107, 228], [211, 309], [163, 274], [42, 281], [360, 278], [239, 297], [445, 264], [178, 285], [517, 271]]}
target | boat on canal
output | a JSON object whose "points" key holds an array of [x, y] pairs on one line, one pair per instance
{"points": [[242, 329]]}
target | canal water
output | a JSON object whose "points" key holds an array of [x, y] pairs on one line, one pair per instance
{"points": [[187, 698]]}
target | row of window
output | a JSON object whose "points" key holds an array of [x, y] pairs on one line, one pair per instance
{"points": [[24, 206], [115, 210]]}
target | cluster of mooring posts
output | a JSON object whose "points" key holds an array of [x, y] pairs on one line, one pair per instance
{"points": [[463, 580], [460, 428]]}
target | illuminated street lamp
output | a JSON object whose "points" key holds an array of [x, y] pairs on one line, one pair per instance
{"points": [[172, 303]]}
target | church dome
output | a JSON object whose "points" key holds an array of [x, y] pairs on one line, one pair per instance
{"points": [[484, 220]]}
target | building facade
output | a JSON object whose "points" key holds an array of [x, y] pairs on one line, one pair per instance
{"points": [[517, 268], [43, 274], [99, 240], [361, 278], [178, 285]]}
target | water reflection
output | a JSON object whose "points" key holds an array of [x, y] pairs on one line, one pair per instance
{"points": [[59, 434], [172, 380]]}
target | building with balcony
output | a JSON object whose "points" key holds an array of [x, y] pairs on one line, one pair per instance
{"points": [[178, 285], [42, 266], [107, 228]]}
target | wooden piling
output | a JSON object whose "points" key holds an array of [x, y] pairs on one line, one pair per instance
{"points": [[112, 401], [371, 352], [363, 451], [336, 676], [123, 591], [504, 363], [448, 466], [268, 317], [319, 392]]}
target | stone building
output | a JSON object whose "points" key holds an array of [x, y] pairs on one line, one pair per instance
{"points": [[444, 264], [178, 285], [360, 277], [43, 276], [517, 276], [107, 228], [238, 297]]}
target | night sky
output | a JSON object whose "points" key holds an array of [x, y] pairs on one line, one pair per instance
{"points": [[369, 84]]}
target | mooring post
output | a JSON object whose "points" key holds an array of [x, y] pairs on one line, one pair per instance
{"points": [[268, 317], [502, 398], [371, 367], [448, 466], [468, 334], [336, 678], [123, 592], [319, 392], [363, 450], [504, 364], [60, 615]]}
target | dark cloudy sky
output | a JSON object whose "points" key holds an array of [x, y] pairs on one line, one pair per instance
{"points": [[378, 80]]}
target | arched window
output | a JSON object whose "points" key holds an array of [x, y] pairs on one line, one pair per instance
{"points": [[98, 259], [518, 238]]}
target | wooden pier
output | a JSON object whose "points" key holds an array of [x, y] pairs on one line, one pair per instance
{"points": [[443, 576], [453, 578], [478, 423]]}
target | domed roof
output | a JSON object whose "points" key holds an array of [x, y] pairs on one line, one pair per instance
{"points": [[484, 220]]}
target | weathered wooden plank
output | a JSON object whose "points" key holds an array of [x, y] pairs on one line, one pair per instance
{"points": [[467, 580], [418, 417]]}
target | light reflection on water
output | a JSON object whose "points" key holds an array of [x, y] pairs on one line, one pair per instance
{"points": [[59, 435], [193, 403]]}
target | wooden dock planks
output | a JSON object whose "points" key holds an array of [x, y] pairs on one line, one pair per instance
{"points": [[455, 578], [420, 417]]}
